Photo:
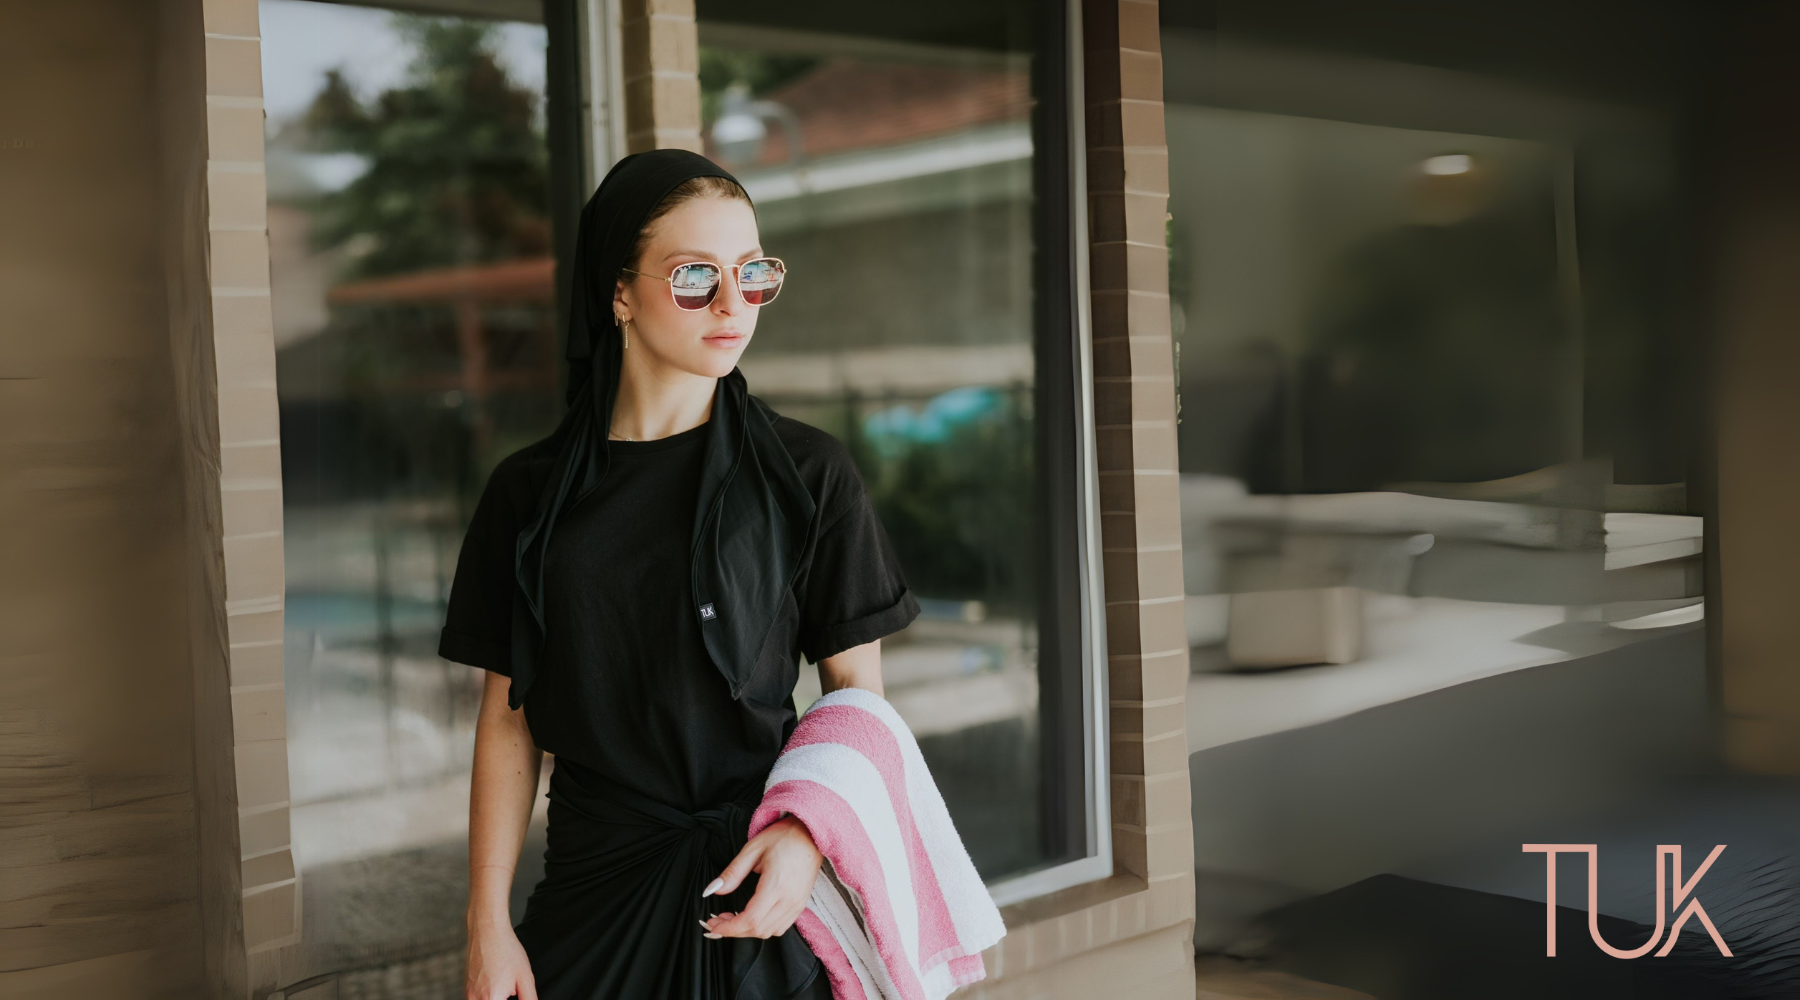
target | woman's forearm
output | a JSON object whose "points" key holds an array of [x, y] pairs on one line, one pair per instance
{"points": [[784, 854], [502, 788]]}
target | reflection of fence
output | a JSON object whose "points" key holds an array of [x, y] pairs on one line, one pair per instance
{"points": [[367, 594], [468, 290]]}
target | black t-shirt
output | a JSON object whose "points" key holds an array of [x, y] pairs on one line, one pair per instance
{"points": [[627, 687]]}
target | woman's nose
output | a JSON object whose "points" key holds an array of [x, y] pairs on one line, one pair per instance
{"points": [[730, 299]]}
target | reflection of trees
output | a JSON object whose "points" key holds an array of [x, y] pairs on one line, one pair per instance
{"points": [[457, 168], [413, 382], [761, 72], [959, 510]]}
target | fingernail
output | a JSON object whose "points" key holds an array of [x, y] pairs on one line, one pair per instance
{"points": [[706, 925], [710, 934], [716, 884]]}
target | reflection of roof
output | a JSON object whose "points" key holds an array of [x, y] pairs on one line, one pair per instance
{"points": [[532, 279], [852, 104]]}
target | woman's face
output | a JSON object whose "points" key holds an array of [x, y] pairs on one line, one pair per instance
{"points": [[702, 341]]}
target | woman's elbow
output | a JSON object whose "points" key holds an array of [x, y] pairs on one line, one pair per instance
{"points": [[857, 667]]}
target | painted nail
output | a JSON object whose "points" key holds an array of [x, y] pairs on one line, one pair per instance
{"points": [[715, 937], [705, 925], [716, 884]]}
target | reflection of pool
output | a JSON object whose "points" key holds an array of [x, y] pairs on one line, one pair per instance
{"points": [[893, 429], [341, 616]]}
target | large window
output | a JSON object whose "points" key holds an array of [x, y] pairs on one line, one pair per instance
{"points": [[415, 346], [1433, 294], [912, 165]]}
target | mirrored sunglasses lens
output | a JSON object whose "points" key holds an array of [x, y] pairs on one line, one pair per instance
{"points": [[694, 285], [760, 280]]}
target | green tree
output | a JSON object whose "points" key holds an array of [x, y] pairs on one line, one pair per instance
{"points": [[762, 72], [457, 169]]}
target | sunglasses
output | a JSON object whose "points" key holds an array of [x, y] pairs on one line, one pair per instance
{"points": [[695, 285]]}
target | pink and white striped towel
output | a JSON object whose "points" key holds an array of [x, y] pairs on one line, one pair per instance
{"points": [[898, 912]]}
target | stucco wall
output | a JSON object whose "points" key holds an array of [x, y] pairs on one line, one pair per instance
{"points": [[100, 851], [141, 733]]}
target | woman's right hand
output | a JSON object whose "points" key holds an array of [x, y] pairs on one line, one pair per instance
{"points": [[498, 967]]}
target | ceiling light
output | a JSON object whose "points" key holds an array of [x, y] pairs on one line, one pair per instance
{"points": [[1444, 166]]}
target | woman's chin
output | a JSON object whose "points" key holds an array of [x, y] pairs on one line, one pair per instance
{"points": [[716, 359]]}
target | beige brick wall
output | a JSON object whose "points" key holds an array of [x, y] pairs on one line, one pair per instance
{"points": [[247, 478], [660, 52]]}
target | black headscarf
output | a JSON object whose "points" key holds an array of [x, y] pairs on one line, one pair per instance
{"points": [[753, 508]]}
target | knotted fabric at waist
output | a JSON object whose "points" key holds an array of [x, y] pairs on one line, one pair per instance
{"points": [[619, 907], [600, 829], [593, 797]]}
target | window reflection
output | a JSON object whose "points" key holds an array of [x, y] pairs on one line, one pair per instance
{"points": [[1434, 433], [898, 191], [1383, 424], [414, 324]]}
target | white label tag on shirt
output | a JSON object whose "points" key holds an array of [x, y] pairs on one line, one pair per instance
{"points": [[707, 613]]}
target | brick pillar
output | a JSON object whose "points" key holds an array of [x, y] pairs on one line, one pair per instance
{"points": [[1131, 935], [235, 463], [1134, 401], [661, 56]]}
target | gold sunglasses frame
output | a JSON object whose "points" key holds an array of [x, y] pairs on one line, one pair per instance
{"points": [[736, 279]]}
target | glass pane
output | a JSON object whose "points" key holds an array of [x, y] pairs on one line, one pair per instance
{"points": [[894, 178], [415, 339], [1443, 570]]}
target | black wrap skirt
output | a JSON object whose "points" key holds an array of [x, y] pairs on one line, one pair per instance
{"points": [[617, 914]]}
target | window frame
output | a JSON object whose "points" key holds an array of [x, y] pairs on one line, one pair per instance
{"points": [[1065, 418]]}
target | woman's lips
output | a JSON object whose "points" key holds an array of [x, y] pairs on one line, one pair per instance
{"points": [[727, 339]]}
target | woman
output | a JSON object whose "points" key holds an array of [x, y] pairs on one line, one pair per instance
{"points": [[640, 586]]}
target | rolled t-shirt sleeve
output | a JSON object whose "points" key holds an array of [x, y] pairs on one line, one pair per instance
{"points": [[478, 618], [855, 592]]}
